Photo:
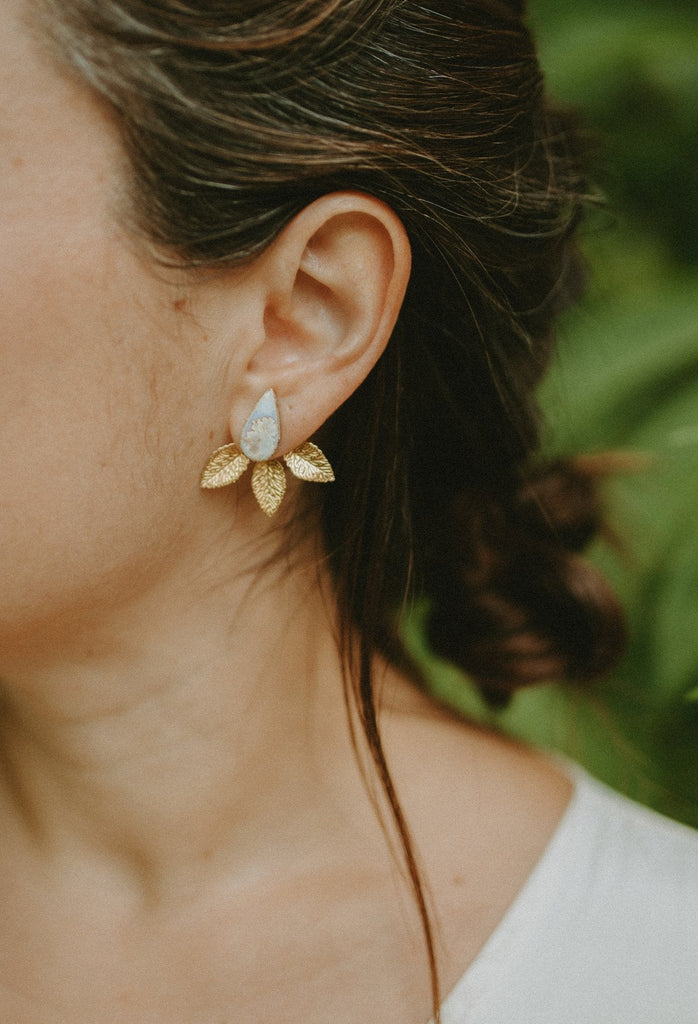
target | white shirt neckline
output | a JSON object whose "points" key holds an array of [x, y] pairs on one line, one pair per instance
{"points": [[532, 902], [603, 928]]}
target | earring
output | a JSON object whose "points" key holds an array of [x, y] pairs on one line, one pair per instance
{"points": [[259, 441]]}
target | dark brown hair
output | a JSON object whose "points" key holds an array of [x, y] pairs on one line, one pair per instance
{"points": [[235, 115]]}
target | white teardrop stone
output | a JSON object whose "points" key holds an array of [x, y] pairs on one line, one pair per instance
{"points": [[260, 437]]}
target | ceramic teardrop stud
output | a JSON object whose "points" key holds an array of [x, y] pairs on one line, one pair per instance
{"points": [[260, 435]]}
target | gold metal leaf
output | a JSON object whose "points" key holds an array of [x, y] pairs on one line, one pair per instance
{"points": [[269, 485], [309, 463], [226, 465]]}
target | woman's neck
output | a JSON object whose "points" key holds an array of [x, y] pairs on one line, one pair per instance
{"points": [[189, 734]]}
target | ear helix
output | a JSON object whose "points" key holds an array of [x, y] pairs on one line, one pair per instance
{"points": [[259, 441]]}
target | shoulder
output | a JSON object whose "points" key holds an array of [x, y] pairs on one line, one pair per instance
{"points": [[603, 930], [481, 811], [622, 838], [557, 899], [629, 873]]}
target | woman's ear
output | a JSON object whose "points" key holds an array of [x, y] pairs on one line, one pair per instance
{"points": [[327, 292]]}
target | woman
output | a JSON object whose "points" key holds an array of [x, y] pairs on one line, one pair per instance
{"points": [[227, 229]]}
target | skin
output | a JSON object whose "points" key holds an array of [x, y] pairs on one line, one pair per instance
{"points": [[186, 836]]}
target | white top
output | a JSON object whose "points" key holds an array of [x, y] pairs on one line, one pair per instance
{"points": [[605, 931]]}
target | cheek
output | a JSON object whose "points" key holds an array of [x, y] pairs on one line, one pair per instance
{"points": [[93, 421], [96, 386]]}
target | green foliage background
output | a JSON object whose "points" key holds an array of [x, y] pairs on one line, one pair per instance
{"points": [[627, 380]]}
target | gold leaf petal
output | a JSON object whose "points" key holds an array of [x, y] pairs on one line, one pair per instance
{"points": [[226, 465], [309, 463], [269, 485]]}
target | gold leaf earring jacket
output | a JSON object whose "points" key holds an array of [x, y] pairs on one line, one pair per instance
{"points": [[259, 441]]}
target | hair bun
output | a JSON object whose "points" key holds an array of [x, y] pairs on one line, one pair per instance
{"points": [[559, 503], [514, 603]]}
